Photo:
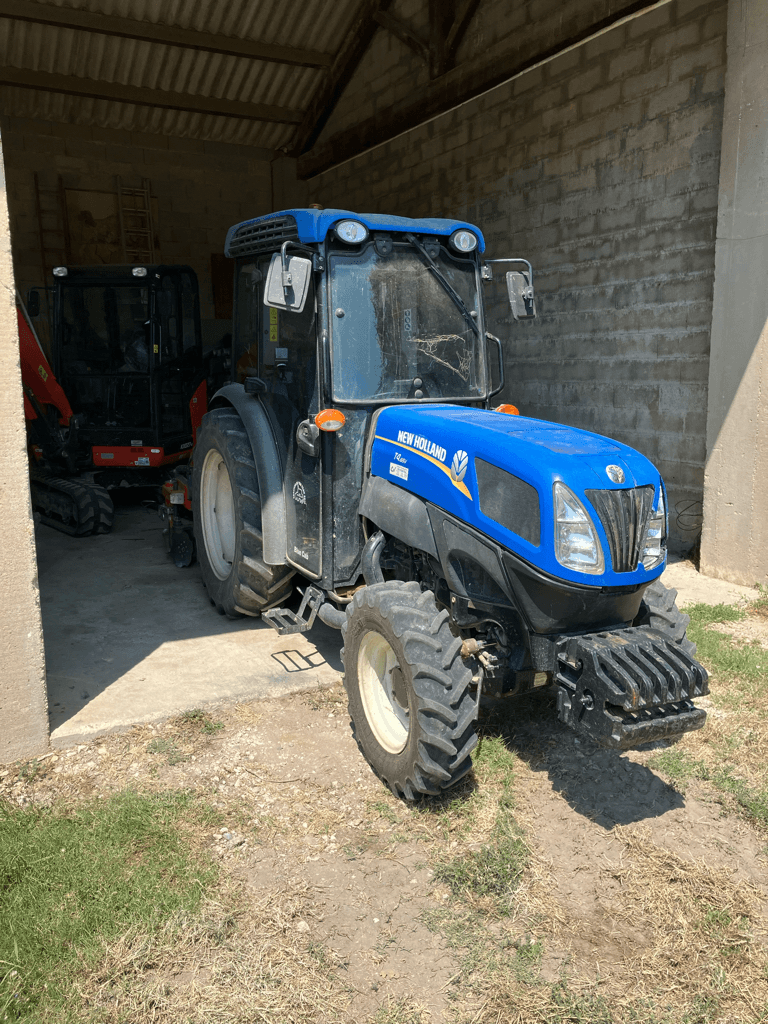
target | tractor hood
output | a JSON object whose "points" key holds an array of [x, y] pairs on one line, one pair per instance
{"points": [[458, 458]]}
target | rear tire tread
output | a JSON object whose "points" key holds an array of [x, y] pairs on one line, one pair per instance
{"points": [[252, 586]]}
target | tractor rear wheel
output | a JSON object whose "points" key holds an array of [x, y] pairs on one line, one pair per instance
{"points": [[659, 611], [227, 521], [413, 716]]}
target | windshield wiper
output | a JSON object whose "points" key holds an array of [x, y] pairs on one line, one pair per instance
{"points": [[446, 284]]}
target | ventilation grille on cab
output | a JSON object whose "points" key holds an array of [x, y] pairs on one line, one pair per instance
{"points": [[263, 237]]}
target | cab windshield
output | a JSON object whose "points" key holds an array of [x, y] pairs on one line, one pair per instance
{"points": [[397, 330]]}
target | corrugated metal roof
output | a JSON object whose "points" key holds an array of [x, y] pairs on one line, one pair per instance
{"points": [[319, 25]]}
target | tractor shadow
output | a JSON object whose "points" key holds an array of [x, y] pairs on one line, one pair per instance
{"points": [[605, 786]]}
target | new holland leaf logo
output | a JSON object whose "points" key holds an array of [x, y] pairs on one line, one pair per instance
{"points": [[459, 466], [299, 494]]}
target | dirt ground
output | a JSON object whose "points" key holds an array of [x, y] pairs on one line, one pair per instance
{"points": [[331, 879]]}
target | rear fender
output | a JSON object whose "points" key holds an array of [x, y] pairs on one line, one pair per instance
{"points": [[269, 467]]}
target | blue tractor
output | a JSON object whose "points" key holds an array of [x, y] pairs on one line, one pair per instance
{"points": [[462, 550]]}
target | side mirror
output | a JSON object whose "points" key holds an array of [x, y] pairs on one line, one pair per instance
{"points": [[520, 292], [33, 303], [287, 286]]}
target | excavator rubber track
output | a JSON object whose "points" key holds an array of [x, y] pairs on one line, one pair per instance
{"points": [[76, 507]]}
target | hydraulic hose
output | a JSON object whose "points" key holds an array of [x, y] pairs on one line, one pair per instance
{"points": [[370, 559], [331, 616]]}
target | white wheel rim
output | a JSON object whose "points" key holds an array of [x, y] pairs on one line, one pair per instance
{"points": [[388, 720], [217, 511]]}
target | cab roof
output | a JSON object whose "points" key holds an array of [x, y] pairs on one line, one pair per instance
{"points": [[308, 226]]}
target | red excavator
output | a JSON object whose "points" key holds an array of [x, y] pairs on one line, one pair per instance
{"points": [[122, 392]]}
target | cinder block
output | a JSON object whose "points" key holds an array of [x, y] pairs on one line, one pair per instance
{"points": [[149, 141], [643, 84], [598, 100], [699, 60], [686, 9], [670, 99], [599, 152], [585, 81], [182, 145], [667, 43], [651, 24], [111, 136], [532, 79], [606, 43], [713, 83], [565, 64], [556, 117], [629, 62], [716, 23]]}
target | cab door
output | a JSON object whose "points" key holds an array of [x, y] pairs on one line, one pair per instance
{"points": [[280, 346]]}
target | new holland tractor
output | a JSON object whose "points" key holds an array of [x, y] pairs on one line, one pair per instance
{"points": [[462, 550]]}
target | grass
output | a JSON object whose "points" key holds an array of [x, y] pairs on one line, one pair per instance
{"points": [[488, 876], [173, 754], [71, 881], [202, 720], [731, 753]]}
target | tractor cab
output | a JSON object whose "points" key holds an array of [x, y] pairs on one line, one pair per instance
{"points": [[338, 314], [126, 348]]}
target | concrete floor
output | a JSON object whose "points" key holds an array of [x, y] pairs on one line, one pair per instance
{"points": [[130, 638]]}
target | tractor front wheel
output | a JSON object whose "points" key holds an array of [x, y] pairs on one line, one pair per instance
{"points": [[227, 521], [413, 716], [659, 611]]}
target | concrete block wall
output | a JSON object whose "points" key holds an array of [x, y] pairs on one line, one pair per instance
{"points": [[601, 167], [201, 188]]}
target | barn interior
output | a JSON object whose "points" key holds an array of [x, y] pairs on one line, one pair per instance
{"points": [[621, 147]]}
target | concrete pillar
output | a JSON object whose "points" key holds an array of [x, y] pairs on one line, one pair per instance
{"points": [[734, 543], [23, 700]]}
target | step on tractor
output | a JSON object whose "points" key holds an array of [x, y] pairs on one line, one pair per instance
{"points": [[462, 550], [121, 393]]}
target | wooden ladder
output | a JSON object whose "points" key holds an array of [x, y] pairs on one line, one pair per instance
{"points": [[51, 208], [136, 229]]}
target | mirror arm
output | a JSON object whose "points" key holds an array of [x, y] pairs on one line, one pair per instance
{"points": [[516, 259], [492, 337]]}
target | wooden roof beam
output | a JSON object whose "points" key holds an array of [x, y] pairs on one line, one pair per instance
{"points": [[169, 35], [456, 86], [98, 89], [346, 62]]}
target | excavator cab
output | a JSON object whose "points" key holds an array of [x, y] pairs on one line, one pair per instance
{"points": [[125, 350]]}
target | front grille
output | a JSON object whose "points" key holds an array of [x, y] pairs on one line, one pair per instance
{"points": [[624, 515], [263, 236]]}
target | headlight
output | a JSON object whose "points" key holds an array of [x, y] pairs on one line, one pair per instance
{"points": [[463, 240], [351, 231], [576, 543], [655, 547]]}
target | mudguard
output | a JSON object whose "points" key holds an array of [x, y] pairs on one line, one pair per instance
{"points": [[266, 455]]}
